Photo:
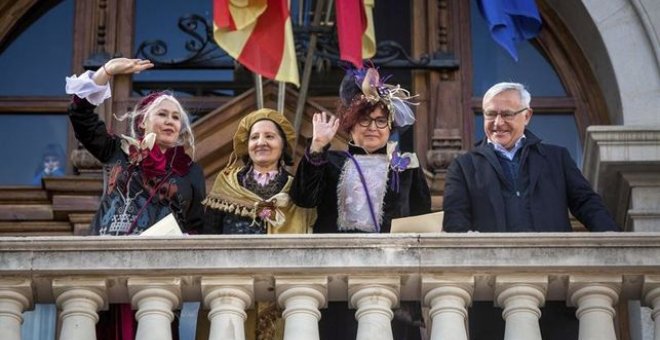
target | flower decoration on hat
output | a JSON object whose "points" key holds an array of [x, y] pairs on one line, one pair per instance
{"points": [[369, 86]]}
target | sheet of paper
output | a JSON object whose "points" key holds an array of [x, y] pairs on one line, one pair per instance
{"points": [[427, 223], [167, 226]]}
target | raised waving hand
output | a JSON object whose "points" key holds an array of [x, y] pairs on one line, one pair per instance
{"points": [[325, 128], [119, 66]]}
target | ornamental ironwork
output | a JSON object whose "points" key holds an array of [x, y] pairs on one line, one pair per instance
{"points": [[202, 52]]}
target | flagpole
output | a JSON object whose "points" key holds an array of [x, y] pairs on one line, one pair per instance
{"points": [[259, 88], [281, 92], [307, 73]]}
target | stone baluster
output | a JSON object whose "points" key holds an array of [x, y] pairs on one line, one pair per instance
{"points": [[154, 299], [79, 299], [227, 298], [595, 297], [448, 298], [374, 298], [521, 296], [301, 298], [15, 297], [652, 299]]}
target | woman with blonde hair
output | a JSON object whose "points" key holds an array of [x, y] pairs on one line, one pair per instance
{"points": [[149, 173]]}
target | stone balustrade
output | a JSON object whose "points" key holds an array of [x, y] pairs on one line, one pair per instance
{"points": [[372, 273]]}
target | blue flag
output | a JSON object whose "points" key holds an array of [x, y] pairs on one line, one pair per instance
{"points": [[511, 21]]}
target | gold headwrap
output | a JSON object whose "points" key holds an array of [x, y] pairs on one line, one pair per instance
{"points": [[243, 132]]}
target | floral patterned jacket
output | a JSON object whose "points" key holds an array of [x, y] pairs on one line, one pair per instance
{"points": [[142, 185]]}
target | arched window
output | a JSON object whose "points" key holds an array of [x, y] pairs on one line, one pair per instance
{"points": [[34, 59], [552, 68]]}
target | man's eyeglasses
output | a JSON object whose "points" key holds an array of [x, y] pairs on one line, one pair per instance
{"points": [[381, 122], [506, 115]]}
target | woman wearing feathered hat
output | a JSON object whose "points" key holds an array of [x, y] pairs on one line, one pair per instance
{"points": [[253, 197], [364, 188]]}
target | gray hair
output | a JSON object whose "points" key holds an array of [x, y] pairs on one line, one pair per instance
{"points": [[140, 114], [525, 97]]}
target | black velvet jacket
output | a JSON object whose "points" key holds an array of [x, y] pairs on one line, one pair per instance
{"points": [[315, 186], [132, 201]]}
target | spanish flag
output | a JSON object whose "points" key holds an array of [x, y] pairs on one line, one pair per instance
{"points": [[355, 30], [258, 34]]}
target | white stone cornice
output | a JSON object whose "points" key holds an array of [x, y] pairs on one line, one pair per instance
{"points": [[486, 256], [39, 246]]}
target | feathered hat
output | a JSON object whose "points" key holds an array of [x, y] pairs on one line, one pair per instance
{"points": [[366, 84]]}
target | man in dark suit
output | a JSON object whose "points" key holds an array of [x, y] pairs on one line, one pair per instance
{"points": [[511, 182]]}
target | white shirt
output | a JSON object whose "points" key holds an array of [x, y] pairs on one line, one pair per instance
{"points": [[509, 154]]}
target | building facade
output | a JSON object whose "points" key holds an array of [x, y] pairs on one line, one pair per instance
{"points": [[594, 74]]}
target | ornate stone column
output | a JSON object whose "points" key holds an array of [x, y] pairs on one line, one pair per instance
{"points": [[15, 297], [374, 298], [448, 297], [521, 296], [79, 299], [301, 298], [227, 298], [651, 297], [623, 165], [595, 297], [154, 298]]}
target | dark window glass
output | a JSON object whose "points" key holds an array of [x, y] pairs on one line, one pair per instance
{"points": [[158, 20], [30, 144], [554, 128], [36, 62], [492, 64]]}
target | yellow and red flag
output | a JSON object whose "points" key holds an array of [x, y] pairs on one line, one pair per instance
{"points": [[258, 34], [355, 30]]}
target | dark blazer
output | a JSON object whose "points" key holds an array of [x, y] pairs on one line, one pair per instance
{"points": [[473, 196]]}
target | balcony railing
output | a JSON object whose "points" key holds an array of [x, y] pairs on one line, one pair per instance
{"points": [[446, 272]]}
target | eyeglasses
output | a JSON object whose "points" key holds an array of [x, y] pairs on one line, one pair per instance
{"points": [[381, 122], [506, 115]]}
